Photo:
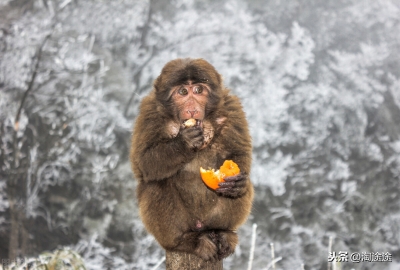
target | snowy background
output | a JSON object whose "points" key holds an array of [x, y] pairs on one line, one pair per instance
{"points": [[320, 83]]}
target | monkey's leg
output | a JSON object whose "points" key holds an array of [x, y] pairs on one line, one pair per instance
{"points": [[227, 241], [209, 245], [203, 244]]}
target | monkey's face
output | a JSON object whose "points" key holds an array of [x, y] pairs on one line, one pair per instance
{"points": [[189, 88], [190, 101]]}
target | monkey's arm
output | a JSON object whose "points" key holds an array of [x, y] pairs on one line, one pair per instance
{"points": [[155, 154], [235, 138], [161, 160]]}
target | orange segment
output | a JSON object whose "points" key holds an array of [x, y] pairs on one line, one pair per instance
{"points": [[229, 168], [211, 177]]}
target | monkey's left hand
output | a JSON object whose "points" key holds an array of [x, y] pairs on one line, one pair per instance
{"points": [[234, 186]]}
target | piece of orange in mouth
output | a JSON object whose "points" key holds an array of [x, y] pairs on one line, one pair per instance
{"points": [[211, 177]]}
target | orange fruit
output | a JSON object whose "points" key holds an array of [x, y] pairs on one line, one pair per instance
{"points": [[211, 177], [229, 168]]}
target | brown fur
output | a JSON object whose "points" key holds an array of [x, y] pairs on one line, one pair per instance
{"points": [[175, 205]]}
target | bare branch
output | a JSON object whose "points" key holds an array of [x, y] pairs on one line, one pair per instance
{"points": [[31, 82], [253, 244], [158, 263], [136, 75]]}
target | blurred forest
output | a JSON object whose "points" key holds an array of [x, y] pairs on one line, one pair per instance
{"points": [[320, 83]]}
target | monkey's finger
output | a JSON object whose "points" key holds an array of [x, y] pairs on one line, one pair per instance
{"points": [[227, 184], [224, 190], [241, 183], [194, 129], [237, 177], [233, 192]]}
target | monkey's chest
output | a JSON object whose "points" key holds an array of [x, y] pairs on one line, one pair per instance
{"points": [[202, 207], [193, 192], [209, 158], [195, 196]]}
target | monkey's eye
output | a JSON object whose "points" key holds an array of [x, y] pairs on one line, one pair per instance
{"points": [[183, 91], [198, 89]]}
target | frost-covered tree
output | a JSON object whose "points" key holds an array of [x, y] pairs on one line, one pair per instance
{"points": [[59, 133]]}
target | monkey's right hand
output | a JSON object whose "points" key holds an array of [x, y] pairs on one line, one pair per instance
{"points": [[193, 137]]}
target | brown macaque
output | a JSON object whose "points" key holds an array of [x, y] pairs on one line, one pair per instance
{"points": [[167, 152]]}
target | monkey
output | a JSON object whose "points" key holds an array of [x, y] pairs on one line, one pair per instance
{"points": [[175, 206]]}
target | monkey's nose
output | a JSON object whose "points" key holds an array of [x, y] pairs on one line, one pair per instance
{"points": [[192, 113]]}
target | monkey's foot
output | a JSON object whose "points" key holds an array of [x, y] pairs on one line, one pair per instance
{"points": [[227, 241], [206, 249], [216, 245]]}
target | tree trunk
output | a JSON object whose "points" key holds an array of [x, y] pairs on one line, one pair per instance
{"points": [[186, 261], [14, 233]]}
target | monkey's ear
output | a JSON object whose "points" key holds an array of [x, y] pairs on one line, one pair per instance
{"points": [[161, 88], [157, 84], [221, 120]]}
